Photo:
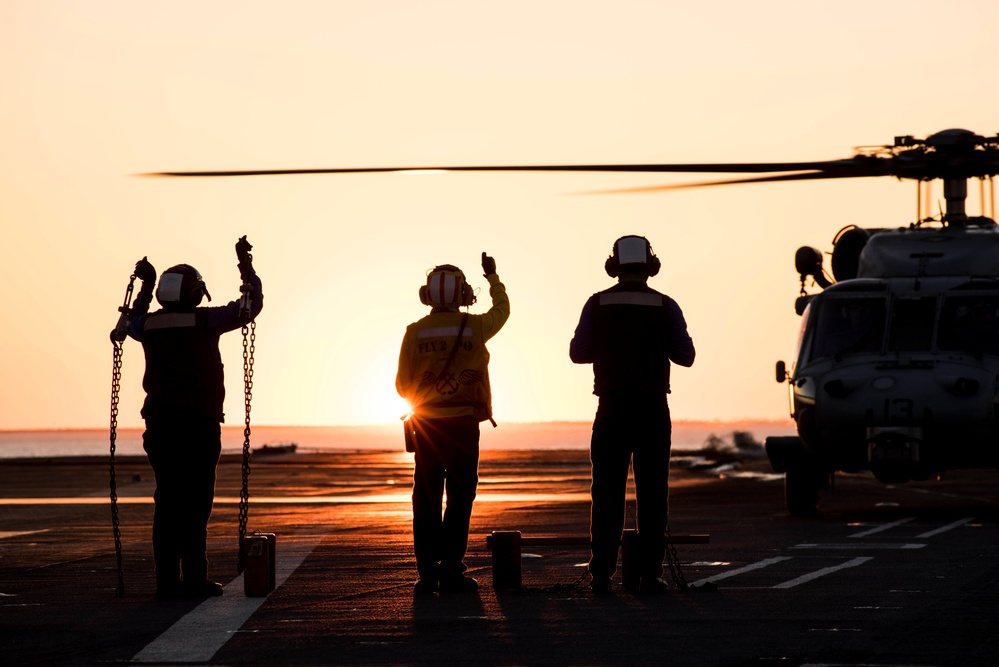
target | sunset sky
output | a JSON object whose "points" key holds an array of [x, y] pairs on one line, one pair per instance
{"points": [[94, 92]]}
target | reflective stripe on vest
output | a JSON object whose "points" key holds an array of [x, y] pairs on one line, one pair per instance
{"points": [[443, 332], [631, 299], [169, 321]]}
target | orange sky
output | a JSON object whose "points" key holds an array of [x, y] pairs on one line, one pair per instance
{"points": [[96, 91]]}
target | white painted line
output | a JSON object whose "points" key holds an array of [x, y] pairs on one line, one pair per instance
{"points": [[863, 545], [862, 664], [944, 529], [748, 568], [199, 635], [823, 572], [961, 496], [880, 529]]}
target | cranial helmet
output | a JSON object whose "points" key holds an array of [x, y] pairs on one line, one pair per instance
{"points": [[632, 254], [446, 286], [181, 287]]}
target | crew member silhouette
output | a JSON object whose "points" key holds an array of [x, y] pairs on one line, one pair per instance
{"points": [[183, 410], [630, 333], [443, 373]]}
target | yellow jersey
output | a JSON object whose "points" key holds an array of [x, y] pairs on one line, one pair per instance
{"points": [[463, 388]]}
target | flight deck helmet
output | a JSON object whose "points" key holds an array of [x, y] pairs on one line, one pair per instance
{"points": [[446, 287], [181, 287], [632, 254]]}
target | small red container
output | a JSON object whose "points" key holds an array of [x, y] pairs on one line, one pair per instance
{"points": [[259, 564]]}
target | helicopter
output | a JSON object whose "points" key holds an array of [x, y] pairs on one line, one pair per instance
{"points": [[896, 370]]}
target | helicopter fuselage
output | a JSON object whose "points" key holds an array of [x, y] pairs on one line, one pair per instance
{"points": [[897, 368]]}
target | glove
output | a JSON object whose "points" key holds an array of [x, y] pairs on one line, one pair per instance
{"points": [[243, 249], [488, 265], [144, 271]]}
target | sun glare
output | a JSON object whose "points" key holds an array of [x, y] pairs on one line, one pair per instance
{"points": [[404, 407], [377, 402]]}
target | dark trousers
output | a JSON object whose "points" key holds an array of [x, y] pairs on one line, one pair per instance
{"points": [[184, 454], [637, 431], [447, 457]]}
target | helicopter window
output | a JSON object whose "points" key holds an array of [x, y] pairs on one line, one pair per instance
{"points": [[802, 342], [849, 326], [912, 324], [970, 324]]}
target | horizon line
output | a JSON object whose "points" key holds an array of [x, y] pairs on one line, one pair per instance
{"points": [[588, 422]]}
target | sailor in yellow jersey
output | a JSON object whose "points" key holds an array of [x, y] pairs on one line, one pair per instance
{"points": [[444, 374]]}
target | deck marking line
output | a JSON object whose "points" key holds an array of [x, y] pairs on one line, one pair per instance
{"points": [[944, 529], [823, 572], [862, 545], [951, 495], [199, 635], [879, 529], [748, 568]]}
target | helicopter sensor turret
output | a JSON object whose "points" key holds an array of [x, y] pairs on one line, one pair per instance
{"points": [[808, 263]]}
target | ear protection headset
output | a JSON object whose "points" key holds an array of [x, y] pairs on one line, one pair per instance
{"points": [[446, 286], [181, 286], [634, 255]]}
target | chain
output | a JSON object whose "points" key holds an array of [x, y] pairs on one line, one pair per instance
{"points": [[672, 559], [118, 341], [674, 563], [249, 343], [115, 389]]}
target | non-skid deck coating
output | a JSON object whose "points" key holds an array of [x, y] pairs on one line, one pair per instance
{"points": [[837, 589]]}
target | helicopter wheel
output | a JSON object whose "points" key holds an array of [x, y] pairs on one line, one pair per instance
{"points": [[801, 490]]}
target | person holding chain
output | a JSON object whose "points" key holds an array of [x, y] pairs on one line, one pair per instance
{"points": [[185, 389]]}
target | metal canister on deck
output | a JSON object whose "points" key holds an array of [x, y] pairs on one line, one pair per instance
{"points": [[259, 557]]}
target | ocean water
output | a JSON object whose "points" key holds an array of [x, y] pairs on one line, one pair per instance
{"points": [[687, 435]]}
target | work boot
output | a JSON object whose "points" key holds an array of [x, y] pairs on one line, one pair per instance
{"points": [[653, 586], [458, 584], [200, 590], [425, 586]]}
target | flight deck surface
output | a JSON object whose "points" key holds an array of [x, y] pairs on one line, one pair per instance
{"points": [[884, 575]]}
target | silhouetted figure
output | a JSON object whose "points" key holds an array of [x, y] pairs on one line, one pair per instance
{"points": [[630, 333], [443, 373], [183, 411]]}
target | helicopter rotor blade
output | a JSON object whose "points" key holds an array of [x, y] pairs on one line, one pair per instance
{"points": [[634, 168], [808, 176], [948, 155]]}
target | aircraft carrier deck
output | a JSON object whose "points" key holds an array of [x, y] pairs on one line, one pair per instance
{"points": [[885, 575]]}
